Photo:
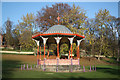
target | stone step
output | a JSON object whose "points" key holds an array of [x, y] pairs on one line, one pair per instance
{"points": [[61, 68]]}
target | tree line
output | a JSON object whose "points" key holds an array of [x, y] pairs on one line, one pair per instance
{"points": [[102, 33]]}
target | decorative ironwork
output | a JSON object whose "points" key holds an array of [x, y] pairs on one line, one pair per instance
{"points": [[58, 18]]}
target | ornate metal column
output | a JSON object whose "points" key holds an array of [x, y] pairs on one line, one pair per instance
{"points": [[37, 51], [71, 41], [78, 44], [44, 42], [40, 52], [57, 40]]}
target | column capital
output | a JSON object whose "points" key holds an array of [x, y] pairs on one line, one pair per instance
{"points": [[78, 42], [71, 40], [37, 42], [57, 39], [44, 40]]}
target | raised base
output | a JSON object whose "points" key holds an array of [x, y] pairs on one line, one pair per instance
{"points": [[61, 68], [59, 62]]}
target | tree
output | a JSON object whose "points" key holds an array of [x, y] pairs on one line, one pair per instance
{"points": [[25, 29], [118, 33], [16, 36], [2, 30], [72, 17], [47, 17], [53, 47], [64, 49], [75, 20], [112, 36], [74, 48], [102, 19], [90, 33], [8, 37]]}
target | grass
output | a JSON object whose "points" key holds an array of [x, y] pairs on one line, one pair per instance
{"points": [[111, 60], [41, 74], [11, 69], [5, 49]]}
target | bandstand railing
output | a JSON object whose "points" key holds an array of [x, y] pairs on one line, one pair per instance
{"points": [[59, 62]]}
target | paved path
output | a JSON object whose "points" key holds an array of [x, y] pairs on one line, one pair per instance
{"points": [[16, 52], [33, 53]]}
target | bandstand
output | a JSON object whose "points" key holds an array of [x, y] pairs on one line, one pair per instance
{"points": [[58, 34]]}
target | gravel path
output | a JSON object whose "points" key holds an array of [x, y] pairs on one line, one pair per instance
{"points": [[16, 52]]}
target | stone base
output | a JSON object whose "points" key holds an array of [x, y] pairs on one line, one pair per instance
{"points": [[61, 68]]}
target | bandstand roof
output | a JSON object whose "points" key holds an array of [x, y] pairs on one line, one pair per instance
{"points": [[57, 31]]}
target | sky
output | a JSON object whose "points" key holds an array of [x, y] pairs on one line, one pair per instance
{"points": [[15, 10]]}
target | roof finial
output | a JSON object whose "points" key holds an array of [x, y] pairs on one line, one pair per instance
{"points": [[58, 18]]}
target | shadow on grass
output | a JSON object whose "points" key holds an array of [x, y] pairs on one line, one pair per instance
{"points": [[112, 60], [72, 78], [8, 66], [80, 78], [109, 70]]}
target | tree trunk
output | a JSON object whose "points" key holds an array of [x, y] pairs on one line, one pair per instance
{"points": [[100, 47], [118, 47], [99, 55], [118, 55], [93, 50]]}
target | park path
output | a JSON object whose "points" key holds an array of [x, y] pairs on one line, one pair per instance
{"points": [[16, 52], [33, 53]]}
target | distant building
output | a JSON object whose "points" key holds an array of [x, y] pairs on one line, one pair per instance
{"points": [[2, 40]]}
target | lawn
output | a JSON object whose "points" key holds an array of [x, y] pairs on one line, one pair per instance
{"points": [[11, 69]]}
